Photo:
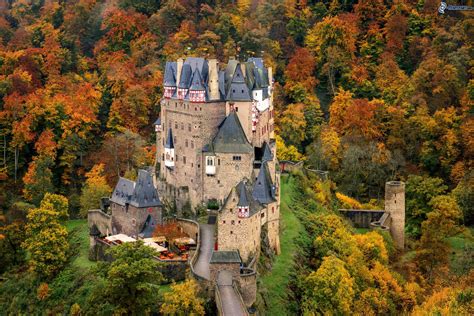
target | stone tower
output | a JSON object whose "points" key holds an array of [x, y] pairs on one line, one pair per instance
{"points": [[395, 206]]}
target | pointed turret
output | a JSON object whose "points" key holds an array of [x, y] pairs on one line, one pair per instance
{"points": [[169, 140], [263, 189]]}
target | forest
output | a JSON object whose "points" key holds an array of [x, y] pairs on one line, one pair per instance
{"points": [[367, 90]]}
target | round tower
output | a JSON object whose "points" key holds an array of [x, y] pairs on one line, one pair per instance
{"points": [[395, 206]]}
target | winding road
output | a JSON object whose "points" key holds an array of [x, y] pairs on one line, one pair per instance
{"points": [[201, 267], [230, 298]]}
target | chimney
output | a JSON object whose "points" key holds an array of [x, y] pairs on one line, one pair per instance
{"points": [[213, 79], [179, 66]]}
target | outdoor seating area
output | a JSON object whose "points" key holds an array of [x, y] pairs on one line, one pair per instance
{"points": [[180, 246]]}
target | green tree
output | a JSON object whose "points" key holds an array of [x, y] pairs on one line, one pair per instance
{"points": [[419, 192], [46, 240], [11, 238], [38, 180], [183, 300], [132, 279], [441, 223]]}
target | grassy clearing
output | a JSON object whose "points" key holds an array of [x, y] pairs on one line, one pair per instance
{"points": [[276, 281], [361, 230], [79, 237]]}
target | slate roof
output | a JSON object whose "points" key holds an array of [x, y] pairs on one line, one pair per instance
{"points": [[243, 198], [244, 192], [123, 191], [169, 140], [185, 78], [230, 137], [239, 90], [267, 153], [148, 227], [145, 193], [169, 79], [141, 193], [231, 256], [197, 81], [157, 122], [235, 82], [263, 188]]}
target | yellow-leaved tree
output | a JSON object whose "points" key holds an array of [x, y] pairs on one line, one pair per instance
{"points": [[94, 189], [183, 300], [46, 238]]}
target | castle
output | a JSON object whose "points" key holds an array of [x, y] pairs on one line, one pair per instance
{"points": [[215, 145]]}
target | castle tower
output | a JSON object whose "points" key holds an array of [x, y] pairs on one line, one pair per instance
{"points": [[395, 206]]}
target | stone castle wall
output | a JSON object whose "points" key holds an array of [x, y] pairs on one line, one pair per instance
{"points": [[102, 220], [193, 126], [129, 219], [229, 172], [248, 286], [238, 233]]}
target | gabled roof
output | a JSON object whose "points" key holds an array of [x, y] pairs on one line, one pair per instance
{"points": [[169, 140], [197, 82], [263, 189], [267, 153], [243, 199], [231, 137], [145, 193], [185, 78], [157, 122], [244, 193], [123, 191], [238, 90], [169, 79]]}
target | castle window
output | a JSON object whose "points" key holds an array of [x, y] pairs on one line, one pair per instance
{"points": [[184, 159], [236, 158], [236, 109], [242, 91], [263, 215], [233, 90], [239, 222], [223, 222], [186, 143], [231, 232], [273, 209], [218, 181], [232, 222], [218, 162], [210, 161]]}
